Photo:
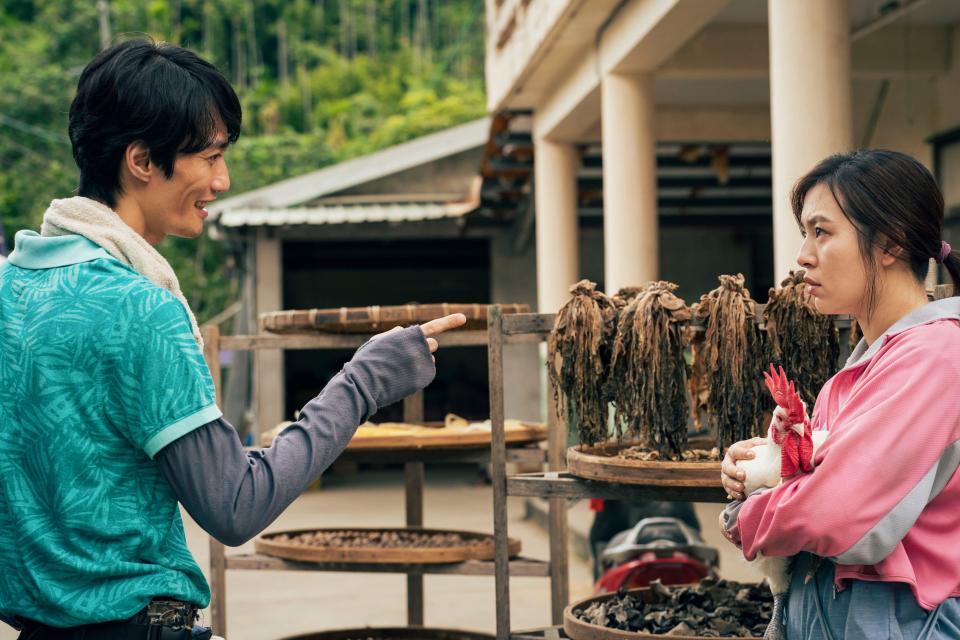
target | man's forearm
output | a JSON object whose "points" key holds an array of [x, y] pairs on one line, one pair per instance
{"points": [[233, 494]]}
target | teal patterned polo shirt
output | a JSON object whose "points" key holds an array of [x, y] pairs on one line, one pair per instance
{"points": [[99, 371]]}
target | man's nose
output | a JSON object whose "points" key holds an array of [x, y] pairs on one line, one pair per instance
{"points": [[221, 181]]}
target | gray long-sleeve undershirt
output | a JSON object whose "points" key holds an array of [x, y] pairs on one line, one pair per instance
{"points": [[234, 495]]}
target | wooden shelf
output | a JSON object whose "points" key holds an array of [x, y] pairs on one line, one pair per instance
{"points": [[524, 454], [520, 566], [560, 484]]}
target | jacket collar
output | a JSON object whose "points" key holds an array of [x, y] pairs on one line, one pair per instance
{"points": [[33, 251], [946, 309]]}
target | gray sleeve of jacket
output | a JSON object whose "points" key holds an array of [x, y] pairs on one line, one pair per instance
{"points": [[234, 495]]}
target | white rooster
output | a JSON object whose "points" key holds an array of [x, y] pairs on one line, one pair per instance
{"points": [[790, 449]]}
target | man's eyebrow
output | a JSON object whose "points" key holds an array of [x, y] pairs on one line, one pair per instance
{"points": [[220, 144]]}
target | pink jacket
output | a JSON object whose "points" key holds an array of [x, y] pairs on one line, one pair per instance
{"points": [[884, 500]]}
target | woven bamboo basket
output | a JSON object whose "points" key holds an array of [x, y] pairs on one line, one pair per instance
{"points": [[375, 318]]}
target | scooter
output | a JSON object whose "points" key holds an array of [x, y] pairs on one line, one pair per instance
{"points": [[658, 548]]}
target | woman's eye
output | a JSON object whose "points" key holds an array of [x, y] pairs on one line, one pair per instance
{"points": [[817, 231]]}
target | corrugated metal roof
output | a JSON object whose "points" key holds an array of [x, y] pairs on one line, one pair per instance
{"points": [[303, 188], [345, 214]]}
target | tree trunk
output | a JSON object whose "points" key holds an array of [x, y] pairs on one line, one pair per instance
{"points": [[344, 27], [103, 19], [283, 69], [207, 36], [372, 28], [175, 9], [254, 55], [239, 66], [405, 21]]}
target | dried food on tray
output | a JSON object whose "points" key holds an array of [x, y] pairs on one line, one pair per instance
{"points": [[729, 359], [712, 608], [392, 546], [578, 357], [648, 372], [455, 432], [625, 464], [375, 318], [393, 633], [644, 454], [802, 340]]}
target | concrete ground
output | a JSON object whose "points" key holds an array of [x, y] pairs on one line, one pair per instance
{"points": [[265, 605]]}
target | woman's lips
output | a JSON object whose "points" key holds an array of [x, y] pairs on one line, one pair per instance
{"points": [[812, 286]]}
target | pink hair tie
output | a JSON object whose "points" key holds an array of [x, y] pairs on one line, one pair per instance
{"points": [[945, 250]]}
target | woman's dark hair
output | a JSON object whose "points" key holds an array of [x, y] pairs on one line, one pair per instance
{"points": [[165, 96], [887, 196]]}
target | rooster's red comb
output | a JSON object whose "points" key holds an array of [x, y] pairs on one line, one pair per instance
{"points": [[784, 393]]}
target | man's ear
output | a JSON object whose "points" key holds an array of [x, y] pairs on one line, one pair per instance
{"points": [[137, 163]]}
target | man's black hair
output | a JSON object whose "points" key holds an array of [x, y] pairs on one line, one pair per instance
{"points": [[163, 95]]}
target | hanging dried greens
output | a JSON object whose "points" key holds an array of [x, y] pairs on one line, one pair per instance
{"points": [[578, 355], [802, 340], [731, 358], [648, 373], [698, 383]]}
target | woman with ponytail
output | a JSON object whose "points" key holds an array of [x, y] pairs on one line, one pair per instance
{"points": [[875, 525]]}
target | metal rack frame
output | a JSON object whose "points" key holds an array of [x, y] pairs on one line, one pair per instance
{"points": [[555, 485], [221, 562]]}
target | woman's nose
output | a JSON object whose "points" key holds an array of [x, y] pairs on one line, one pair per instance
{"points": [[806, 257]]}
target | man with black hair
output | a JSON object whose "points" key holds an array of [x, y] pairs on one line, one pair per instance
{"points": [[107, 410]]}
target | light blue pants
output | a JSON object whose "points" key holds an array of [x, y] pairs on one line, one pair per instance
{"points": [[862, 611]]}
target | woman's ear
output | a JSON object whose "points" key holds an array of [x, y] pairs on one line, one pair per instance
{"points": [[136, 162], [887, 252]]}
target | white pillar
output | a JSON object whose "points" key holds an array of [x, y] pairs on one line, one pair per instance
{"points": [[558, 257], [269, 388], [630, 243], [810, 104]]}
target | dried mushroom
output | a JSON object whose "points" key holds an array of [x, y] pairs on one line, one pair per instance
{"points": [[712, 609]]}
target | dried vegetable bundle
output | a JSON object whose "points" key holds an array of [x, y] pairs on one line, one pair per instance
{"points": [[802, 340], [648, 372], [578, 356], [731, 359]]}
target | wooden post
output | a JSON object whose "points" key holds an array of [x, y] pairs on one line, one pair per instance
{"points": [[218, 560], [413, 496], [498, 459], [559, 560]]}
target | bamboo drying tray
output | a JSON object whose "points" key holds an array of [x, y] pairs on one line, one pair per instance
{"points": [[393, 633], [603, 462], [580, 630], [267, 545], [375, 318], [456, 433]]}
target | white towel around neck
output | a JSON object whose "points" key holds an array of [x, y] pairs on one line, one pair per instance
{"points": [[101, 225]]}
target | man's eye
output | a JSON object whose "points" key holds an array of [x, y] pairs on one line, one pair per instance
{"points": [[214, 157]]}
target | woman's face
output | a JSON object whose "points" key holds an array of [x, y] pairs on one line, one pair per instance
{"points": [[836, 277]]}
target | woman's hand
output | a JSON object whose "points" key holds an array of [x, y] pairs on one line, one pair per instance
{"points": [[730, 476]]}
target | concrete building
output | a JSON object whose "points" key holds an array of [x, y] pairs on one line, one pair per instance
{"points": [[629, 140], [626, 79]]}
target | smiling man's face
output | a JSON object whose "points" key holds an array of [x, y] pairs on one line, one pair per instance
{"points": [[177, 206]]}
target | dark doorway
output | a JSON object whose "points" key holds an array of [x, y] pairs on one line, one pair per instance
{"points": [[360, 273]]}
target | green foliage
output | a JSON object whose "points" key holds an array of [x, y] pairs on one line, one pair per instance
{"points": [[320, 81]]}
